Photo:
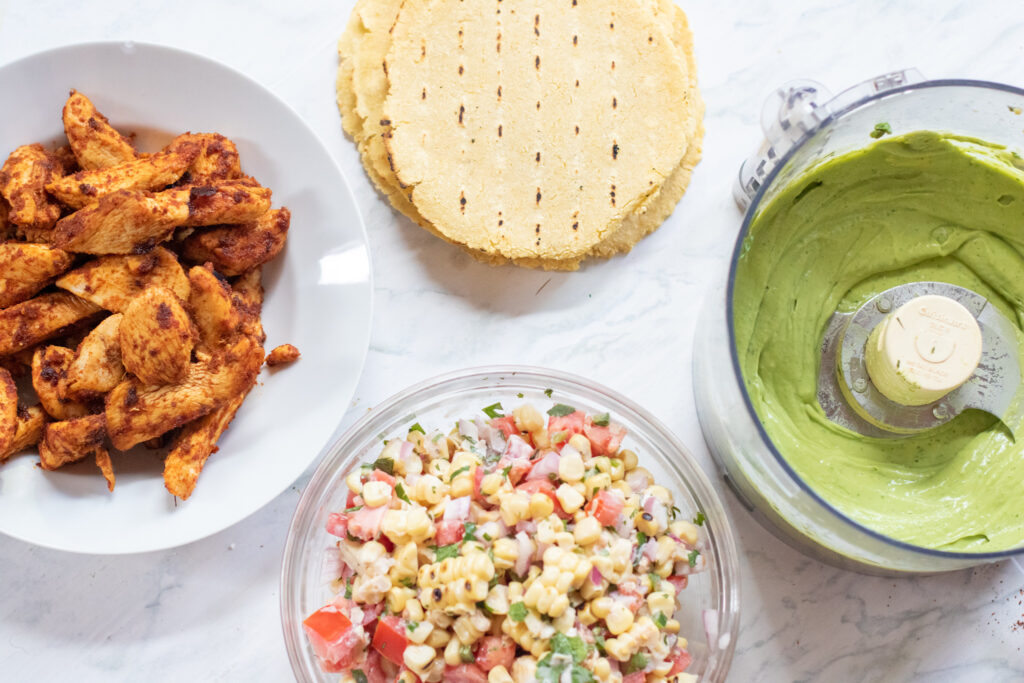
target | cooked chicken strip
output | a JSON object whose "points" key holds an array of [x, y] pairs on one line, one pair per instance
{"points": [[113, 281], [97, 366], [49, 378], [23, 180], [247, 297], [136, 413], [123, 222], [28, 432], [216, 316], [198, 440], [153, 172], [234, 249], [7, 228], [106, 466], [71, 440], [27, 268], [156, 337], [217, 160], [8, 411], [48, 315], [94, 141], [234, 201]]}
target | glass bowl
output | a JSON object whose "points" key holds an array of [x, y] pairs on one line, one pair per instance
{"points": [[709, 616]]}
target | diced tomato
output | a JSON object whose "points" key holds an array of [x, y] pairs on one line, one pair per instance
{"points": [[390, 639], [330, 633], [492, 651], [350, 500], [605, 440], [680, 660], [449, 531], [386, 542], [634, 600], [365, 523], [635, 677], [519, 470], [478, 476], [373, 667], [337, 525], [464, 673], [378, 475], [548, 489], [605, 507], [679, 581], [506, 424], [573, 423]]}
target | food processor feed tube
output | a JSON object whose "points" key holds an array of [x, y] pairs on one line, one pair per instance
{"points": [[867, 354]]}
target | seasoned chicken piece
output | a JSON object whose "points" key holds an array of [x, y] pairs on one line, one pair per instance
{"points": [[123, 222], [285, 353], [94, 141], [215, 314], [106, 466], [65, 156], [97, 366], [7, 228], [8, 411], [71, 440], [157, 336], [49, 378], [217, 160], [247, 296], [198, 440], [27, 268], [48, 315], [136, 413], [232, 202], [28, 432], [113, 281], [23, 180], [234, 249], [153, 172]]}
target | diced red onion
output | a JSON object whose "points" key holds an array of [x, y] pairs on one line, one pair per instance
{"points": [[595, 577], [650, 550], [526, 548], [544, 467], [468, 428], [569, 450], [516, 448], [457, 510], [636, 480], [528, 526], [405, 450]]}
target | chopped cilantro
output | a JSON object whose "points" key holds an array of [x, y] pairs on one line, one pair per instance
{"points": [[466, 654], [412, 625], [599, 639], [443, 552], [881, 129], [674, 512], [494, 410], [400, 492], [519, 395], [354, 508], [660, 619], [416, 428], [408, 582], [602, 420], [485, 607], [386, 465], [437, 437], [700, 519], [692, 557], [654, 579], [565, 645], [359, 676], [636, 663], [348, 589], [561, 410], [470, 439], [547, 392], [641, 538], [559, 437], [517, 611], [470, 533], [459, 471], [505, 471], [487, 537]]}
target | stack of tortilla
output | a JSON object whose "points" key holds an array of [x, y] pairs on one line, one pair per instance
{"points": [[526, 131]]}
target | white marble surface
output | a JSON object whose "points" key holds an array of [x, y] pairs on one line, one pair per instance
{"points": [[209, 611]]}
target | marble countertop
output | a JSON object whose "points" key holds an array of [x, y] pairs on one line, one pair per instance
{"points": [[209, 611]]}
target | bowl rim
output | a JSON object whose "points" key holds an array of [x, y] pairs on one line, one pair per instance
{"points": [[748, 217], [718, 529]]}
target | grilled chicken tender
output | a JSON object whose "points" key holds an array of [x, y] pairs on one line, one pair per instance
{"points": [[136, 413], [247, 297], [123, 222], [23, 180], [71, 440], [156, 337], [285, 353], [153, 172], [50, 377], [48, 315], [94, 141], [27, 268], [113, 281], [211, 301], [6, 226], [8, 411], [232, 201], [28, 431], [97, 367], [217, 159], [106, 466], [197, 441], [234, 249]]}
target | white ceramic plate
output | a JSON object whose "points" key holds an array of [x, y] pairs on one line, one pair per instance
{"points": [[318, 297]]}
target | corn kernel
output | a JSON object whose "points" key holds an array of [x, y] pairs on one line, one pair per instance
{"points": [[490, 484], [439, 637], [581, 444], [398, 597], [570, 498], [616, 470], [355, 484], [629, 459], [420, 634], [601, 607], [596, 483], [499, 674], [587, 530], [602, 668], [514, 508], [646, 523], [619, 619], [451, 652], [376, 493], [528, 418], [661, 601], [418, 657], [413, 610], [541, 506], [672, 626], [685, 531], [570, 466]]}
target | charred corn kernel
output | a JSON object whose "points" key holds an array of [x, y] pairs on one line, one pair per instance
{"points": [[420, 634], [541, 506], [398, 597], [528, 418], [629, 459], [455, 584], [661, 601], [406, 563], [497, 599], [619, 619], [354, 483], [672, 626], [514, 507], [438, 637], [413, 610], [499, 674], [585, 615], [581, 444], [616, 470], [570, 498], [596, 483], [428, 490], [601, 668], [418, 658], [506, 552], [685, 531], [524, 669], [587, 531], [376, 493], [490, 484], [451, 652], [520, 633], [646, 523], [626, 645], [570, 466], [601, 607]]}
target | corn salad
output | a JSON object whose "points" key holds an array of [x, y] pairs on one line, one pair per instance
{"points": [[521, 547]]}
